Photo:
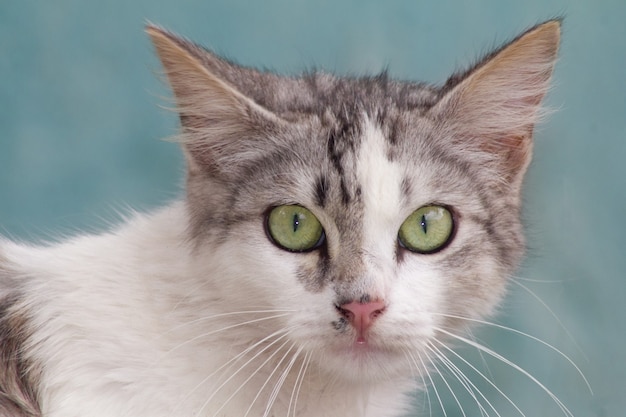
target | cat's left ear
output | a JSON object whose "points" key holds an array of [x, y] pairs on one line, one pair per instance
{"points": [[496, 104], [220, 124]]}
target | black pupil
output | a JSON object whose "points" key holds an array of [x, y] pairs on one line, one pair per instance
{"points": [[296, 222], [424, 224]]}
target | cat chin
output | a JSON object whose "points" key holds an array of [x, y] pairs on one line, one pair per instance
{"points": [[366, 362], [369, 366]]}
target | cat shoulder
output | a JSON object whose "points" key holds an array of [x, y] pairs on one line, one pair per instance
{"points": [[18, 397]]}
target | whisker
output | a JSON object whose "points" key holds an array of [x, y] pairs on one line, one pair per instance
{"points": [[432, 383], [295, 385], [443, 378], [539, 281], [413, 364], [558, 320], [519, 332], [469, 386], [267, 380], [488, 380], [459, 376], [269, 358], [471, 335], [307, 360], [188, 295], [232, 326], [281, 381], [232, 313], [513, 365], [231, 361]]}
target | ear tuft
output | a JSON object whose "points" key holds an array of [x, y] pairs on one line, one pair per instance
{"points": [[216, 117], [496, 104], [195, 88]]}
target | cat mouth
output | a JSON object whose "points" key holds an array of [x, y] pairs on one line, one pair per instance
{"points": [[365, 346], [367, 360]]}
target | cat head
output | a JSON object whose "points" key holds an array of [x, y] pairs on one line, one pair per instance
{"points": [[380, 215]]}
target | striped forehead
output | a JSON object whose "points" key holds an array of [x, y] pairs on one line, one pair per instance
{"points": [[363, 197]]}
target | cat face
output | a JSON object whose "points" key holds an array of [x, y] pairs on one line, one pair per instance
{"points": [[378, 216], [367, 196]]}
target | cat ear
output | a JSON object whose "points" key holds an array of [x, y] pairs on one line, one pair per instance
{"points": [[496, 104], [219, 122]]}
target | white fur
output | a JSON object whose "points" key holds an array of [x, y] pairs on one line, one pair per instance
{"points": [[139, 322], [119, 320], [414, 282]]}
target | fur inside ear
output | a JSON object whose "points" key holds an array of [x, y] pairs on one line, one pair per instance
{"points": [[496, 104], [218, 121]]}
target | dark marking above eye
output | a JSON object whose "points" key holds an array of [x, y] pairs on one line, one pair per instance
{"points": [[406, 187], [321, 190], [345, 194], [335, 156], [392, 136], [342, 145]]}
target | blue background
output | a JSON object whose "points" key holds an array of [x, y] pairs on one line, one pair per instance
{"points": [[81, 130]]}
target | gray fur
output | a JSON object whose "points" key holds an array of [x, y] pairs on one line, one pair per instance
{"points": [[305, 153], [18, 382]]}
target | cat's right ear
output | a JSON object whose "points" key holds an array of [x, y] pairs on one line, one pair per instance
{"points": [[219, 122]]}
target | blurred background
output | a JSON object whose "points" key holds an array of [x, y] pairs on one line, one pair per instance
{"points": [[81, 138]]}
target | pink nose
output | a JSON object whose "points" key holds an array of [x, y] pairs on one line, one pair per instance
{"points": [[361, 316]]}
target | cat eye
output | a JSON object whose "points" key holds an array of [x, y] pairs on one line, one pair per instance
{"points": [[294, 228], [427, 230]]}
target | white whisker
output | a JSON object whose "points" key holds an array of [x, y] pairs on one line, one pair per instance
{"points": [[208, 400], [188, 295], [232, 313], [558, 320], [267, 380], [231, 361], [432, 383], [496, 355], [413, 364], [536, 339], [443, 378], [471, 335], [539, 281], [281, 381], [469, 386], [212, 332], [307, 361], [488, 380], [295, 385]]}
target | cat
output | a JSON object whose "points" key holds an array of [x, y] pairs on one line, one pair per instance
{"points": [[337, 233]]}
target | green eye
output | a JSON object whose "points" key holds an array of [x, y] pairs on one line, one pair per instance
{"points": [[427, 230], [294, 228]]}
